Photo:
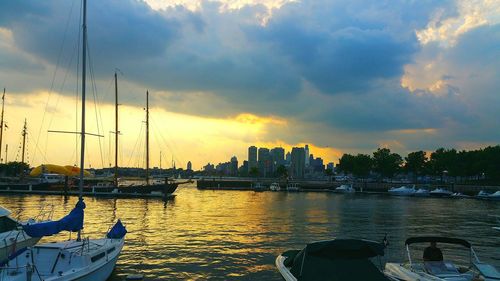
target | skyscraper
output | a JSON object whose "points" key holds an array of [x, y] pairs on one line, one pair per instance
{"points": [[306, 157], [234, 166], [189, 166], [298, 162], [252, 157], [278, 156], [265, 168]]}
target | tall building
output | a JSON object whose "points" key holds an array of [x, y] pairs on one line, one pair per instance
{"points": [[252, 157], [265, 162], [278, 156], [306, 157], [189, 166], [298, 158], [288, 158], [234, 166]]}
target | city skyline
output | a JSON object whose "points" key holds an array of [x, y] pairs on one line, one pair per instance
{"points": [[340, 76]]}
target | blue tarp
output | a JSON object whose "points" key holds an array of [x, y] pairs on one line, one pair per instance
{"points": [[72, 222], [117, 231]]}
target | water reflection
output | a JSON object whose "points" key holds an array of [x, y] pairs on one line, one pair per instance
{"points": [[225, 235]]}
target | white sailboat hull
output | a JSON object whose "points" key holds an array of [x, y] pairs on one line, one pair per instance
{"points": [[91, 260]]}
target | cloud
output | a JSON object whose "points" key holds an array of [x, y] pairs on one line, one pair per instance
{"points": [[346, 73]]}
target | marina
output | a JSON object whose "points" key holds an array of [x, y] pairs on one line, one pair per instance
{"points": [[237, 235]]}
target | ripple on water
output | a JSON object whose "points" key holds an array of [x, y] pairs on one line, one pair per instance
{"points": [[236, 235]]}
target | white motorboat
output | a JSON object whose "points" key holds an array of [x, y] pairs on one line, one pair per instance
{"points": [[489, 196], [421, 192], [440, 192], [292, 187], [402, 191], [335, 260], [275, 186], [77, 259], [459, 195], [13, 237], [345, 189], [441, 270]]}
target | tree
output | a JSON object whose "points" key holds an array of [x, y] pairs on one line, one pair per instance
{"points": [[13, 168], [386, 163], [415, 163], [362, 165], [346, 164]]}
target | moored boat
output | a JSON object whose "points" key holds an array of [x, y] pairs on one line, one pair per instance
{"points": [[275, 186], [13, 236], [421, 192], [345, 189], [402, 191], [439, 269], [440, 192], [339, 259], [292, 187]]}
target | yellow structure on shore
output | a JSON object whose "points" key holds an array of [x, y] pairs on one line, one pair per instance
{"points": [[57, 169]]}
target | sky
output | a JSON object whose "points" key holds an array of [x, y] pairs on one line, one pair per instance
{"points": [[344, 76]]}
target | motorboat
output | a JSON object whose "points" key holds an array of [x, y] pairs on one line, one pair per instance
{"points": [[275, 186], [402, 191], [440, 192], [459, 195], [12, 235], [444, 270], [421, 192], [345, 189], [489, 196], [338, 259], [292, 187]]}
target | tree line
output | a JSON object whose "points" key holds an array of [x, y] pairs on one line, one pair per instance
{"points": [[480, 164]]}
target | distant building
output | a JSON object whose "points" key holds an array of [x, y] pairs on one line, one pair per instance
{"points": [[189, 166], [209, 168], [234, 166], [317, 164], [331, 166], [265, 162], [278, 156], [306, 156], [298, 162], [288, 158], [243, 171], [252, 157]]}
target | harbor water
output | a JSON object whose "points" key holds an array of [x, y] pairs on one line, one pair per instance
{"points": [[236, 235]]}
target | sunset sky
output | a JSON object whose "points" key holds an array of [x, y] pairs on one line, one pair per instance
{"points": [[343, 76]]}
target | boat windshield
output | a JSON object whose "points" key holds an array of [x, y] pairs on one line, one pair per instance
{"points": [[7, 224]]}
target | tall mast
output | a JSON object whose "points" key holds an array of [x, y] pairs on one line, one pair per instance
{"points": [[1, 123], [82, 139], [84, 70], [24, 133], [6, 150], [116, 130], [147, 137]]}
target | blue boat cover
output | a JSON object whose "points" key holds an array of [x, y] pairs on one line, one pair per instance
{"points": [[117, 231], [71, 222]]}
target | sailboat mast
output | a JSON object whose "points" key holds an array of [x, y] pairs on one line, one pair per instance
{"points": [[82, 139], [116, 130], [1, 123], [24, 133], [84, 72], [147, 137]]}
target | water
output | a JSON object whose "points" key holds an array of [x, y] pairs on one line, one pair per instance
{"points": [[236, 235]]}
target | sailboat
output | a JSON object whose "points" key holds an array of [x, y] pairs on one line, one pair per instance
{"points": [[165, 187], [74, 259]]}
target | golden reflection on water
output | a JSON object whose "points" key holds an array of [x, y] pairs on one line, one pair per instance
{"points": [[225, 235]]}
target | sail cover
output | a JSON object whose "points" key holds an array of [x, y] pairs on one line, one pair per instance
{"points": [[71, 222], [118, 231]]}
